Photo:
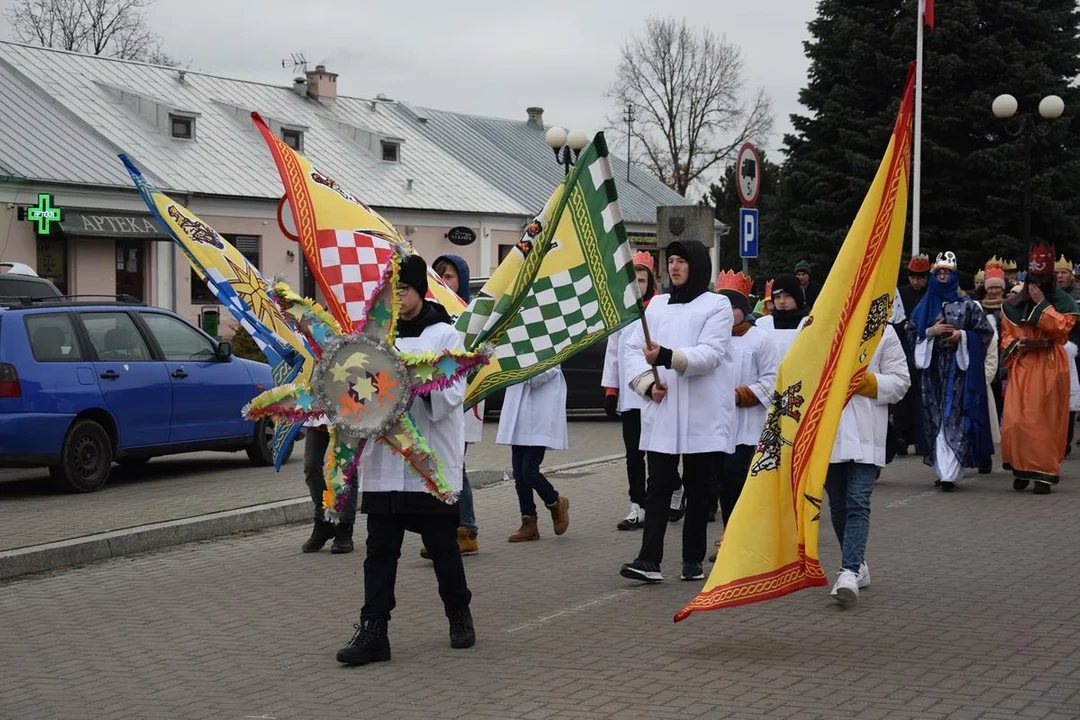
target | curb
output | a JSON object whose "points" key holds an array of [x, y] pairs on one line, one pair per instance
{"points": [[143, 538]]}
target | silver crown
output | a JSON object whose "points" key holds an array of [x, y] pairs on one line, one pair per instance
{"points": [[946, 259]]}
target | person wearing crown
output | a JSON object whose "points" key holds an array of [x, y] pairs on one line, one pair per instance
{"points": [[764, 306], [1034, 329], [991, 299], [1011, 275], [628, 404], [906, 416], [950, 335], [1063, 275], [756, 362]]}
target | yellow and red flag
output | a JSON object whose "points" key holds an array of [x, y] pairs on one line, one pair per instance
{"points": [[770, 547]]}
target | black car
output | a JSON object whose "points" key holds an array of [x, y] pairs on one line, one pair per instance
{"points": [[20, 281], [582, 371]]}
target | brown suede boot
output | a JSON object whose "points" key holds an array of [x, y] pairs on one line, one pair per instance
{"points": [[560, 514], [467, 542], [527, 531]]}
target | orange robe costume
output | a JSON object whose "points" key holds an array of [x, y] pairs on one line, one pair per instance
{"points": [[1034, 428]]}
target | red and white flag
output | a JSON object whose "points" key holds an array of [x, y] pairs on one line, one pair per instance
{"points": [[928, 12]]}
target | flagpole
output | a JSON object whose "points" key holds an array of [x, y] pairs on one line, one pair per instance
{"points": [[916, 193], [648, 342]]}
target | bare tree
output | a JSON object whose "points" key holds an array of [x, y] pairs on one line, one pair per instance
{"points": [[115, 28], [686, 89]]}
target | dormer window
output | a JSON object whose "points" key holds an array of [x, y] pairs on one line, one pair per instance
{"points": [[293, 138], [181, 127], [390, 151]]}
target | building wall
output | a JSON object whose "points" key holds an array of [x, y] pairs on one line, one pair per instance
{"points": [[17, 243], [92, 267]]}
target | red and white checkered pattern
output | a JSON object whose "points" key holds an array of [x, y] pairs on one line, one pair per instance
{"points": [[350, 266]]}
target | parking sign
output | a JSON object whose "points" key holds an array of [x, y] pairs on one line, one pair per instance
{"points": [[748, 232]]}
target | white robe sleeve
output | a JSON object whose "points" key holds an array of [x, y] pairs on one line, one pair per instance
{"points": [[961, 352], [714, 343], [924, 352], [768, 362], [893, 378], [634, 354], [610, 376], [990, 364], [442, 403]]}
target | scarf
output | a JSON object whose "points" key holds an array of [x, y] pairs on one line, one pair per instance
{"points": [[787, 319], [431, 314], [937, 294], [992, 304], [740, 329]]}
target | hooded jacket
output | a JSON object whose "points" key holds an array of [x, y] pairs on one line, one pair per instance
{"points": [[697, 256], [462, 272]]}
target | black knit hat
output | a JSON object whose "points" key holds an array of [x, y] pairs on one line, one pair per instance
{"points": [[789, 284], [413, 272]]}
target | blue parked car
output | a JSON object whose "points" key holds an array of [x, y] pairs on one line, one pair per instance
{"points": [[87, 384]]}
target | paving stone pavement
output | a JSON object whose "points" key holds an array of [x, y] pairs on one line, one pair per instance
{"points": [[183, 486], [974, 612]]}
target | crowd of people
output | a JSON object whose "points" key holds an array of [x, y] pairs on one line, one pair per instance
{"points": [[956, 373]]}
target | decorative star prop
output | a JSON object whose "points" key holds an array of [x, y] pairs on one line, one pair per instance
{"points": [[364, 386]]}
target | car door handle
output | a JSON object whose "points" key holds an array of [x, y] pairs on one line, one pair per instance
{"points": [[179, 373], [109, 375]]}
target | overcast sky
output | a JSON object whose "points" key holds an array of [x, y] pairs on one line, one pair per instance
{"points": [[477, 56]]}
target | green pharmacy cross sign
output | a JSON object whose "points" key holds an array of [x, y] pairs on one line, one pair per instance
{"points": [[44, 214]]}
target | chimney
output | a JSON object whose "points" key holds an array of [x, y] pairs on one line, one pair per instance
{"points": [[299, 86], [536, 116], [322, 85]]}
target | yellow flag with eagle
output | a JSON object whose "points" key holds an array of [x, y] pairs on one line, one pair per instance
{"points": [[770, 547]]}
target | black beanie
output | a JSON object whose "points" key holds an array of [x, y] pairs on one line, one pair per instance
{"points": [[790, 285], [413, 272], [738, 300]]}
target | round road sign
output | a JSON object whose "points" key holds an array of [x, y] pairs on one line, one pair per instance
{"points": [[748, 175]]}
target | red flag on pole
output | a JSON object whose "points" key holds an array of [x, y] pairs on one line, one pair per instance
{"points": [[928, 13]]}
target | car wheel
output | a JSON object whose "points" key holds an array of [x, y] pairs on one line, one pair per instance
{"points": [[261, 450], [85, 459]]}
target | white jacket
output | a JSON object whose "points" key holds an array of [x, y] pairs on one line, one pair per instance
{"points": [[534, 412], [615, 375], [698, 414], [865, 421], [756, 362], [438, 417], [782, 339], [1074, 384], [474, 423]]}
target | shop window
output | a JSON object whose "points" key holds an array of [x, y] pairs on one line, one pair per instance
{"points": [[248, 245], [52, 261]]}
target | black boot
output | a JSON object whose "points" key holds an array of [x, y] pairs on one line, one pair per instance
{"points": [[1042, 488], [369, 644], [322, 532], [462, 632], [342, 538]]}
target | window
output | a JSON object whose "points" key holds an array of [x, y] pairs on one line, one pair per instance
{"points": [[178, 340], [115, 337], [52, 338], [52, 261], [248, 245], [390, 151], [293, 138], [182, 127]]}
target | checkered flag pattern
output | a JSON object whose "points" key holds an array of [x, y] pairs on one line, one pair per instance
{"points": [[352, 265]]}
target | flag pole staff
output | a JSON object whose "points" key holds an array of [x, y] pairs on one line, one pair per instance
{"points": [[648, 342], [916, 193]]}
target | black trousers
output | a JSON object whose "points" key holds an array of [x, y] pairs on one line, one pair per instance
{"points": [[635, 457], [315, 446], [385, 534], [730, 477], [697, 482]]}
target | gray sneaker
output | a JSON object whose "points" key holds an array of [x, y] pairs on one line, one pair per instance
{"points": [[692, 571]]}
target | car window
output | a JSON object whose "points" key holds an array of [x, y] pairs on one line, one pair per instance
{"points": [[52, 338], [178, 340], [13, 286], [115, 337]]}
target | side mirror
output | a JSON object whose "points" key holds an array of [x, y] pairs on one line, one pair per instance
{"points": [[223, 351]]}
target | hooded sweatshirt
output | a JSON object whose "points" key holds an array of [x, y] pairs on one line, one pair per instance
{"points": [[462, 273], [697, 255]]}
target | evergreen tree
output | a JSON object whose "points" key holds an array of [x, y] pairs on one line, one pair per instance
{"points": [[972, 169]]}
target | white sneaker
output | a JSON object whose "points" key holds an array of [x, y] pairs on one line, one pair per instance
{"points": [[635, 519], [864, 576], [676, 499], [846, 589]]}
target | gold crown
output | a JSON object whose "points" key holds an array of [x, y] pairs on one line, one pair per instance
{"points": [[728, 280], [980, 276], [1008, 265], [994, 262], [1063, 264]]}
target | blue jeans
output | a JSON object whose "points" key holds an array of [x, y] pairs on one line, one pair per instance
{"points": [[465, 503], [849, 485], [526, 460]]}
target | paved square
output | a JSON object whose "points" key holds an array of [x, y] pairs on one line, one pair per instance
{"points": [[974, 612]]}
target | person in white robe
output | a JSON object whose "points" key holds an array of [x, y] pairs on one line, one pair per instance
{"points": [[857, 457], [533, 421], [394, 498], [788, 314], [686, 374]]}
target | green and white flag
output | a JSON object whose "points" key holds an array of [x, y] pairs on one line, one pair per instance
{"points": [[568, 283]]}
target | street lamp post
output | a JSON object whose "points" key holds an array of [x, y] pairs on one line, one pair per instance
{"points": [[1027, 126], [564, 143]]}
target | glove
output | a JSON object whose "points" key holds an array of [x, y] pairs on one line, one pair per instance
{"points": [[611, 403], [868, 385], [745, 397]]}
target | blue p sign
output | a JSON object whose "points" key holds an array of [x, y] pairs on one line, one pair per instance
{"points": [[748, 232]]}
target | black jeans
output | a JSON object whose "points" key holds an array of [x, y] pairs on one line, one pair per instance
{"points": [[385, 534], [730, 477], [697, 481], [314, 451], [526, 461], [635, 456]]}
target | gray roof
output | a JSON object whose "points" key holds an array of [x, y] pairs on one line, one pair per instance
{"points": [[66, 116]]}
